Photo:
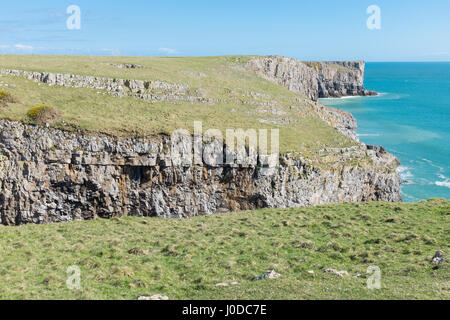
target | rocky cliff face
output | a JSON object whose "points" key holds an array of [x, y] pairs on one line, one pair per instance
{"points": [[48, 175], [313, 79]]}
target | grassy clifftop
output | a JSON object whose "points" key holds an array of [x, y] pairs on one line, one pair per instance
{"points": [[236, 98], [177, 69], [128, 257]]}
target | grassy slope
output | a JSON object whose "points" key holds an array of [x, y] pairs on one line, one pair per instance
{"points": [[160, 68], [221, 78], [186, 258]]}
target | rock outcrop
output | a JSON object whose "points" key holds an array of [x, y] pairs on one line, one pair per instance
{"points": [[313, 79], [48, 175], [125, 65], [152, 91], [343, 121]]}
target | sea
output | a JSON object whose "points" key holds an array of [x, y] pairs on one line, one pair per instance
{"points": [[410, 118]]}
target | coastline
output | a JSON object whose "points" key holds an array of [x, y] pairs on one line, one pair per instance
{"points": [[378, 94], [408, 117]]}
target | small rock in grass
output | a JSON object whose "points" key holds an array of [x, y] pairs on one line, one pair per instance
{"points": [[136, 251], [311, 271], [154, 297], [270, 274], [438, 258], [222, 284], [341, 273]]}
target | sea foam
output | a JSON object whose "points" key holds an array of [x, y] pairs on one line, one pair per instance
{"points": [[404, 173], [443, 183]]}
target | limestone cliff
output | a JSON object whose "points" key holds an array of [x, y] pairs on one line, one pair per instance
{"points": [[51, 175], [48, 175], [313, 79]]}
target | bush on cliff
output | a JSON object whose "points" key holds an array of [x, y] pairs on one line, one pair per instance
{"points": [[43, 114]]}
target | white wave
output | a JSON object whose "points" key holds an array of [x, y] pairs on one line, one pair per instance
{"points": [[404, 173], [441, 169], [369, 135], [443, 183], [350, 97], [380, 94], [402, 169]]}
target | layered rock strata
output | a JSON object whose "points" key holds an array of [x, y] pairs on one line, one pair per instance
{"points": [[48, 175], [313, 79]]}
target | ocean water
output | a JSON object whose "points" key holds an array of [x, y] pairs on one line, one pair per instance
{"points": [[411, 119]]}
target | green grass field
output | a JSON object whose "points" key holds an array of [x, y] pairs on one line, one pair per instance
{"points": [[184, 259]]}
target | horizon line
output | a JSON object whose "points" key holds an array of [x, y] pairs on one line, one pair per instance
{"points": [[223, 55]]}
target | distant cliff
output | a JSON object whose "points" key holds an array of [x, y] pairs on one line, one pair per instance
{"points": [[313, 79]]}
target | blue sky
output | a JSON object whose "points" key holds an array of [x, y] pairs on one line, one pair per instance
{"points": [[411, 30]]}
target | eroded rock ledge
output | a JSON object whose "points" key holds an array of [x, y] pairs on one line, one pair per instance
{"points": [[48, 175], [152, 91], [313, 79]]}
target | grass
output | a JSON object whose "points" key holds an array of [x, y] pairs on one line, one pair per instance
{"points": [[5, 99], [169, 69], [221, 78], [183, 259]]}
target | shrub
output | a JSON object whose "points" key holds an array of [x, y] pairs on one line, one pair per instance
{"points": [[5, 98], [44, 114]]}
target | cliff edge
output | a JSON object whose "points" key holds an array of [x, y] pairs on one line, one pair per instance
{"points": [[106, 151], [48, 175], [313, 80]]}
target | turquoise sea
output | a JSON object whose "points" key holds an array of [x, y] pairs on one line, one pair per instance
{"points": [[411, 119]]}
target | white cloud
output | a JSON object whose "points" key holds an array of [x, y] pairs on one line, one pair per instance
{"points": [[23, 47], [4, 46], [168, 50]]}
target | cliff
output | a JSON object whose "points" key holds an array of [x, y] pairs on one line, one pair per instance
{"points": [[313, 79], [108, 153], [49, 175]]}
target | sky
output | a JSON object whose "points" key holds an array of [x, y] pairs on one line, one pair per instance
{"points": [[410, 30]]}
